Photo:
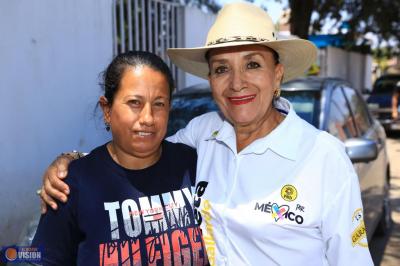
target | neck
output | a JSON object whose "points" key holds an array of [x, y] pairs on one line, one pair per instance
{"points": [[247, 134], [131, 161]]}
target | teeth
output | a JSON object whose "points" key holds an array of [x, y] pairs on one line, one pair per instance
{"points": [[244, 98], [144, 133]]}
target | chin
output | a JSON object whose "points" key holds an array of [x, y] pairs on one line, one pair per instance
{"points": [[241, 119], [143, 151]]}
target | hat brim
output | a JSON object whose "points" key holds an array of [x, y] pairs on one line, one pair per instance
{"points": [[296, 56]]}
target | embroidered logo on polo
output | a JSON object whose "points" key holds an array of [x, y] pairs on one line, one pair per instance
{"points": [[281, 212], [215, 133]]}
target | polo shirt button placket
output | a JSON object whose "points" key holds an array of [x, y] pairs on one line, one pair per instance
{"points": [[236, 162], [225, 261]]}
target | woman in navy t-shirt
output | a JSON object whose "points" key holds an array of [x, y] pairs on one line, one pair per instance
{"points": [[130, 199]]}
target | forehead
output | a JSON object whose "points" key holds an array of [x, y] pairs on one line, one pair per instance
{"points": [[243, 50], [143, 77]]}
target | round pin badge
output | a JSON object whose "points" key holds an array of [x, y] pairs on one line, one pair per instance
{"points": [[289, 193]]}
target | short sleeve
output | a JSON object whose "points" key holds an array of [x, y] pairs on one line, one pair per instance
{"points": [[186, 135], [58, 232]]}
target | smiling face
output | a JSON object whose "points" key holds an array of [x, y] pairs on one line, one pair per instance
{"points": [[138, 115], [243, 80]]}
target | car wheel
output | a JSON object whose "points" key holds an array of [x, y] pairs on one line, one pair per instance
{"points": [[385, 221]]}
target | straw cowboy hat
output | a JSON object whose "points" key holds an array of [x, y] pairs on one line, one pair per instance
{"points": [[245, 24]]}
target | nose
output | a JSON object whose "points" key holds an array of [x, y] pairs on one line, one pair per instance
{"points": [[146, 115], [237, 80]]}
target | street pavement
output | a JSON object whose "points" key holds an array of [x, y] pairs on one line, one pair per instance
{"points": [[385, 250]]}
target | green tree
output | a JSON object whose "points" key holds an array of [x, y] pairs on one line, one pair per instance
{"points": [[380, 17]]}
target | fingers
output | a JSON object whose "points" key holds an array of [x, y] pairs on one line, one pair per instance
{"points": [[53, 187], [43, 206], [58, 170], [61, 164], [56, 183], [47, 200], [54, 192]]}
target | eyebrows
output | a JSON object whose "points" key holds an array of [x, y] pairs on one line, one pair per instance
{"points": [[141, 97], [222, 59]]}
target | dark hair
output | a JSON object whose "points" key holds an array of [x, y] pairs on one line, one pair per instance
{"points": [[112, 76]]}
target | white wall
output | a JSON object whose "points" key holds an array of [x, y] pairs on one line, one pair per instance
{"points": [[368, 70], [197, 23], [337, 62], [51, 53], [353, 67]]}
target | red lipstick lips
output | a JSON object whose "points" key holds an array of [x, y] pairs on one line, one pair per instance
{"points": [[239, 100]]}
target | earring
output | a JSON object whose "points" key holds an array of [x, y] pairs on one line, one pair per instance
{"points": [[107, 125], [277, 93]]}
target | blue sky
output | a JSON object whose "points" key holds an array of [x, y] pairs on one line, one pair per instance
{"points": [[274, 8]]}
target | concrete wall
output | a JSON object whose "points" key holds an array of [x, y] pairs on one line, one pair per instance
{"points": [[356, 69], [353, 67], [197, 23], [337, 63], [368, 71], [51, 53]]}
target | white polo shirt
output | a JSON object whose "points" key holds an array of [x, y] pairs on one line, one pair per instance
{"points": [[290, 198]]}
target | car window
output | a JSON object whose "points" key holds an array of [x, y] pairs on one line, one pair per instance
{"points": [[306, 103], [340, 121], [185, 107], [359, 110]]}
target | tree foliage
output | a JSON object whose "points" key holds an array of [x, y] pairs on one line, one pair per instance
{"points": [[300, 17], [380, 17]]}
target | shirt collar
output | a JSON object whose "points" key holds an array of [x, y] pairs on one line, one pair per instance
{"points": [[225, 133], [284, 140]]}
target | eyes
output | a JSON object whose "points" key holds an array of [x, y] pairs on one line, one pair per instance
{"points": [[134, 103], [220, 69], [223, 68], [137, 103], [253, 65]]}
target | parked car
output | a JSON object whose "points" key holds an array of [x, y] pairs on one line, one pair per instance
{"points": [[331, 105], [380, 101]]}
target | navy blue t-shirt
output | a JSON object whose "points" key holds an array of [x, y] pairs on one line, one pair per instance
{"points": [[118, 216]]}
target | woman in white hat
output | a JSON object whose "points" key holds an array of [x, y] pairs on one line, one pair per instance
{"points": [[271, 189]]}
